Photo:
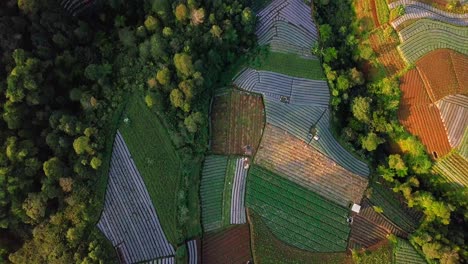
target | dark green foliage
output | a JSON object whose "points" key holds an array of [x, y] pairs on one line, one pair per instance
{"points": [[62, 79]]}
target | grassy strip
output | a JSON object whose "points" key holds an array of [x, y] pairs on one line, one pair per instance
{"points": [[382, 11], [228, 182], [266, 248], [194, 228], [289, 64], [156, 159]]}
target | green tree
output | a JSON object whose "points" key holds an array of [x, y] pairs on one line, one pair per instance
{"points": [[35, 207], [398, 164], [177, 98], [96, 163], [54, 168], [183, 64], [151, 23], [181, 12], [81, 145], [371, 141], [361, 108], [330, 54], [164, 76], [193, 122]]}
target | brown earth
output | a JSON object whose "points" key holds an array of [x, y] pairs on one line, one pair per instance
{"points": [[228, 246]]}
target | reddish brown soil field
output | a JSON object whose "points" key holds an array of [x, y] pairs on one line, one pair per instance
{"points": [[237, 120], [441, 75], [229, 246], [387, 52], [370, 228], [420, 116]]}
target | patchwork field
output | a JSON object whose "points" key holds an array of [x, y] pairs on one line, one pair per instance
{"points": [[194, 251], [129, 219], [156, 159], [302, 164], [237, 120], [296, 215], [387, 54], [267, 248], [222, 192], [417, 111], [228, 246]]}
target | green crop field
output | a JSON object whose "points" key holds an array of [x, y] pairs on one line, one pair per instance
{"points": [[393, 209], [404, 253], [266, 248], [296, 215], [463, 148], [156, 159], [290, 64]]}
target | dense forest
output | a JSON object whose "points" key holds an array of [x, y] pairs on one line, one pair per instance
{"points": [[65, 73], [365, 110]]}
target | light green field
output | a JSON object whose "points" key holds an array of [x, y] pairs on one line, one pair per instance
{"points": [[289, 64]]}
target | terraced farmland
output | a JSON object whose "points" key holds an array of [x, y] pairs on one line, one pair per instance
{"points": [[237, 120], [228, 246], [398, 213], [416, 111], [425, 35], [287, 27], [416, 10], [211, 192], [454, 112], [156, 159], [296, 215], [404, 253], [369, 228], [129, 219], [454, 168], [267, 248], [302, 164]]}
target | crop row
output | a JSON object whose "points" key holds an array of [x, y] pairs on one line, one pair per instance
{"points": [[454, 112], [417, 10], [405, 253], [296, 215], [211, 191], [393, 208], [129, 215], [426, 41], [454, 168]]}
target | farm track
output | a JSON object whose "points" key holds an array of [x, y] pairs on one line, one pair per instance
{"points": [[228, 246], [129, 219]]}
